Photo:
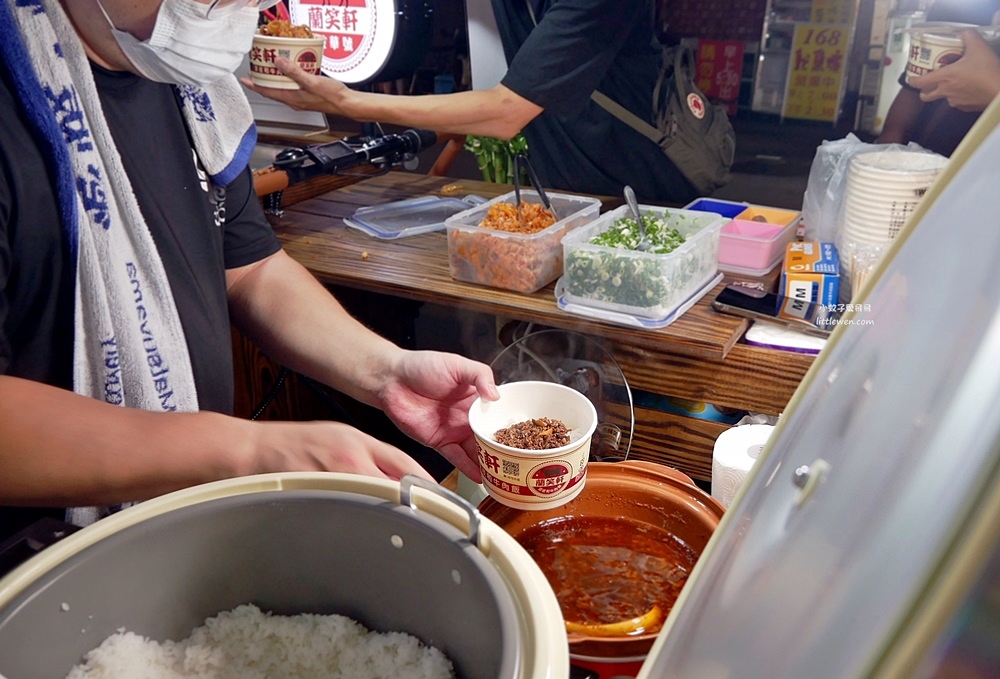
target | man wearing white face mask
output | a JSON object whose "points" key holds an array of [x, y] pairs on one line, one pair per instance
{"points": [[130, 239], [192, 43]]}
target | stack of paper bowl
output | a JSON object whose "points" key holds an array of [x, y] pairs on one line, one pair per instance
{"points": [[882, 190]]}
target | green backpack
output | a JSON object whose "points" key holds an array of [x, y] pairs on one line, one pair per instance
{"points": [[694, 133]]}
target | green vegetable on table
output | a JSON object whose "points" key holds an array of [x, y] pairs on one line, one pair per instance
{"points": [[495, 157]]}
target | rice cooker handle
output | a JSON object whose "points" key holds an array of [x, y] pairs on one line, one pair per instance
{"points": [[406, 498]]}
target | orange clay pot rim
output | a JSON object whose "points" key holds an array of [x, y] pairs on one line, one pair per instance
{"points": [[661, 480]]}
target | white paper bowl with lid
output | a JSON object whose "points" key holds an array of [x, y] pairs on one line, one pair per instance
{"points": [[533, 479], [937, 43], [307, 53]]}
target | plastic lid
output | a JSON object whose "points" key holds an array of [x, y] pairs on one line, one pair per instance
{"points": [[408, 217], [839, 555], [744, 271], [948, 28], [622, 318]]}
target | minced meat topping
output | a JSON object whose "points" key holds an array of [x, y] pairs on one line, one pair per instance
{"points": [[282, 28], [505, 217], [537, 434]]}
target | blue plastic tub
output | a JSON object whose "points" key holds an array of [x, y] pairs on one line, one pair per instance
{"points": [[726, 208]]}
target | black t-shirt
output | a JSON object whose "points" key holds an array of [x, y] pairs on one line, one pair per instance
{"points": [[579, 46], [183, 212]]}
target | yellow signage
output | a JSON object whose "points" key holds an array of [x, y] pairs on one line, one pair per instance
{"points": [[832, 12], [816, 71]]}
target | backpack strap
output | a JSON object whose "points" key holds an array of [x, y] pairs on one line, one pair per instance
{"points": [[684, 69], [626, 116], [675, 61], [531, 12]]}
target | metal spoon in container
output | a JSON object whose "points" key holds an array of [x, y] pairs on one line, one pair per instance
{"points": [[633, 205]]}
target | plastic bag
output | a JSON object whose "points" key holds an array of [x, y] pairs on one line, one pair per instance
{"points": [[822, 203], [823, 206], [825, 186]]}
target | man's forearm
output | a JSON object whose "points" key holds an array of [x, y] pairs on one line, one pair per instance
{"points": [[296, 321], [58, 448], [496, 112]]}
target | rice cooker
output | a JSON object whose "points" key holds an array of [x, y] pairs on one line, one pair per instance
{"points": [[409, 557]]}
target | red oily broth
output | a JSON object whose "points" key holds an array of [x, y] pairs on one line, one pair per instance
{"points": [[608, 569]]}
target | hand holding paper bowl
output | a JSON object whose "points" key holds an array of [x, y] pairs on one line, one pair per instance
{"points": [[533, 479], [297, 44], [970, 82]]}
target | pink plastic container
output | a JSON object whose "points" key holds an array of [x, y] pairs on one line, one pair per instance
{"points": [[754, 241]]}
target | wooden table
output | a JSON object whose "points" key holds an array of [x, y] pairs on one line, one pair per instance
{"points": [[697, 358]]}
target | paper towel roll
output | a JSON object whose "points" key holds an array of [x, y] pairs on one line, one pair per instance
{"points": [[734, 454]]}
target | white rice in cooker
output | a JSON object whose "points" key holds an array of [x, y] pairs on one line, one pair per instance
{"points": [[246, 643]]}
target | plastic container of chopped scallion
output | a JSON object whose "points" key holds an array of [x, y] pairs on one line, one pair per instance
{"points": [[604, 269]]}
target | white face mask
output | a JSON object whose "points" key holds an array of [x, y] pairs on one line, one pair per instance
{"points": [[186, 48]]}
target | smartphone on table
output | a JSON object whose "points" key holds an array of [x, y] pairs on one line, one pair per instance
{"points": [[807, 317]]}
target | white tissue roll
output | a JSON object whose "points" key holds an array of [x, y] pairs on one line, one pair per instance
{"points": [[734, 455]]}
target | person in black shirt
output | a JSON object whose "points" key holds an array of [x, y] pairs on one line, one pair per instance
{"points": [[114, 156], [554, 66]]}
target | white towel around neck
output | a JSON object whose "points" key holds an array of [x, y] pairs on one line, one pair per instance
{"points": [[129, 344]]}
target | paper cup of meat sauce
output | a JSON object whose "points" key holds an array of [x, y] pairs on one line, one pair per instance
{"points": [[937, 44], [280, 39], [533, 478]]}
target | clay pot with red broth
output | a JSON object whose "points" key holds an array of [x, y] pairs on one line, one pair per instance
{"points": [[618, 555]]}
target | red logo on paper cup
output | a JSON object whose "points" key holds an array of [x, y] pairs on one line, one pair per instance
{"points": [[308, 61], [948, 58], [549, 478]]}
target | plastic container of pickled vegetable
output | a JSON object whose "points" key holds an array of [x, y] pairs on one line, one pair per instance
{"points": [[522, 262], [604, 270]]}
